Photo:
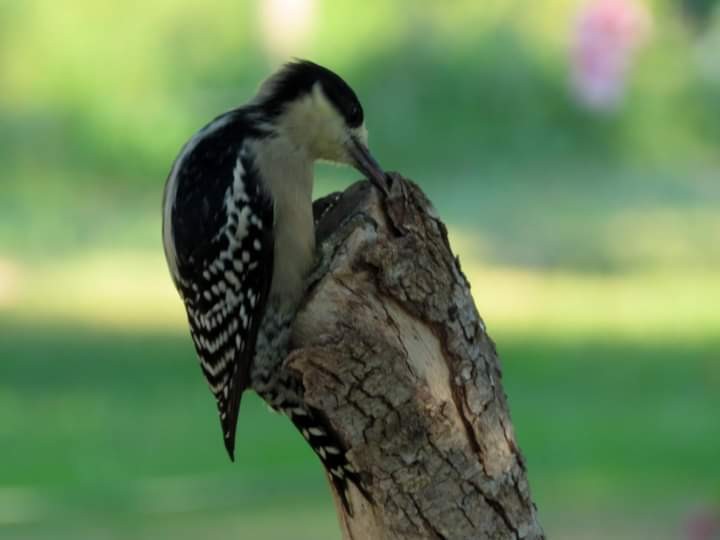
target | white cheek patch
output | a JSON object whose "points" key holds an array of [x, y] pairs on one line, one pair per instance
{"points": [[313, 124]]}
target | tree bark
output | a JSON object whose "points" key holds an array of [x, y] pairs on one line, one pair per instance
{"points": [[390, 346]]}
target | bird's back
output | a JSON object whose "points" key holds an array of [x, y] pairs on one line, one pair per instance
{"points": [[197, 187]]}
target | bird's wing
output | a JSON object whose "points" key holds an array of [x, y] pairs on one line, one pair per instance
{"points": [[223, 232]]}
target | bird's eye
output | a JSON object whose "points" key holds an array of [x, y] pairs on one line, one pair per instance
{"points": [[354, 112]]}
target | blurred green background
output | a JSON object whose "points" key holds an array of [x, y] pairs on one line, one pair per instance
{"points": [[590, 233]]}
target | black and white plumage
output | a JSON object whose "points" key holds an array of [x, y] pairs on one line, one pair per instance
{"points": [[239, 238]]}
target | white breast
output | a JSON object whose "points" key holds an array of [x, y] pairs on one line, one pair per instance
{"points": [[287, 171]]}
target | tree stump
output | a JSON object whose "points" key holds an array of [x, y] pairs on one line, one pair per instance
{"points": [[389, 345]]}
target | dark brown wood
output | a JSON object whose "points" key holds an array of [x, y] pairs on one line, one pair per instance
{"points": [[390, 346]]}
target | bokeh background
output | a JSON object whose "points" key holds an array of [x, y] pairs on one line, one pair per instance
{"points": [[572, 147]]}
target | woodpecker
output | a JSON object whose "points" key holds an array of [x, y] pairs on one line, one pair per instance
{"points": [[239, 239]]}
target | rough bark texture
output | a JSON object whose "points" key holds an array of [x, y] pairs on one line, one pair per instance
{"points": [[390, 346]]}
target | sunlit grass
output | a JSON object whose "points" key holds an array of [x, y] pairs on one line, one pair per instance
{"points": [[116, 289], [655, 305], [132, 289]]}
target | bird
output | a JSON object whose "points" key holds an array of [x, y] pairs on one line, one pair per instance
{"points": [[239, 240]]}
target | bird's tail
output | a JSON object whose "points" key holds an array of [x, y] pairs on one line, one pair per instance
{"points": [[284, 393], [314, 426]]}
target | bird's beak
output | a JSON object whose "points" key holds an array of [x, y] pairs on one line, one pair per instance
{"points": [[366, 164]]}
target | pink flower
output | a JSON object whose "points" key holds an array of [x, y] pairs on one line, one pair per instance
{"points": [[606, 36]]}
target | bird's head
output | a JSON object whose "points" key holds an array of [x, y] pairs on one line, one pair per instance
{"points": [[319, 113]]}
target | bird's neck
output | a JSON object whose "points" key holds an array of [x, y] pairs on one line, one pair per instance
{"points": [[286, 168]]}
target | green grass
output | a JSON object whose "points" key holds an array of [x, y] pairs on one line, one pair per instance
{"points": [[100, 429], [115, 431]]}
